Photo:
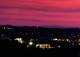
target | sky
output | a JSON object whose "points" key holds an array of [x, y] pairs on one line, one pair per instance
{"points": [[64, 13]]}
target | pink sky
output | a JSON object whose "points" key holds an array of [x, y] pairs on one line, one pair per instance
{"points": [[40, 12]]}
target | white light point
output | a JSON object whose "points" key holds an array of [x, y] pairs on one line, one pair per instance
{"points": [[19, 40], [30, 43]]}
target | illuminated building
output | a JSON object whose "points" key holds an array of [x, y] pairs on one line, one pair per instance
{"points": [[19, 40], [44, 46]]}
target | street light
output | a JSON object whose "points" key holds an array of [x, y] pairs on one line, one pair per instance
{"points": [[30, 43]]}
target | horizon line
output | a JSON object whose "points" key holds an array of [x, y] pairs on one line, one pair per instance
{"points": [[40, 26]]}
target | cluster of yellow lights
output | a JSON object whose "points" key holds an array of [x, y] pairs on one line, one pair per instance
{"points": [[56, 39], [19, 40], [44, 46]]}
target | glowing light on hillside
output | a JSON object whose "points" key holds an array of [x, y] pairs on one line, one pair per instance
{"points": [[19, 40]]}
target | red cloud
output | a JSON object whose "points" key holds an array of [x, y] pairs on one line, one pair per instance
{"points": [[40, 12]]}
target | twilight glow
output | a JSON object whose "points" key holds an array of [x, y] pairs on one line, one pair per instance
{"points": [[40, 12]]}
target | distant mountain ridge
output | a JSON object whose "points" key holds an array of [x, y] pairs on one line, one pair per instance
{"points": [[56, 26]]}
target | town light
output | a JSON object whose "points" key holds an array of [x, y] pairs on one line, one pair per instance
{"points": [[19, 40]]}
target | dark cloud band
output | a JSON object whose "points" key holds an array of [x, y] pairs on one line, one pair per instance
{"points": [[42, 8]]}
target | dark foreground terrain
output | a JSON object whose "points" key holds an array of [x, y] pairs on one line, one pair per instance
{"points": [[39, 41], [14, 48], [40, 52]]}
